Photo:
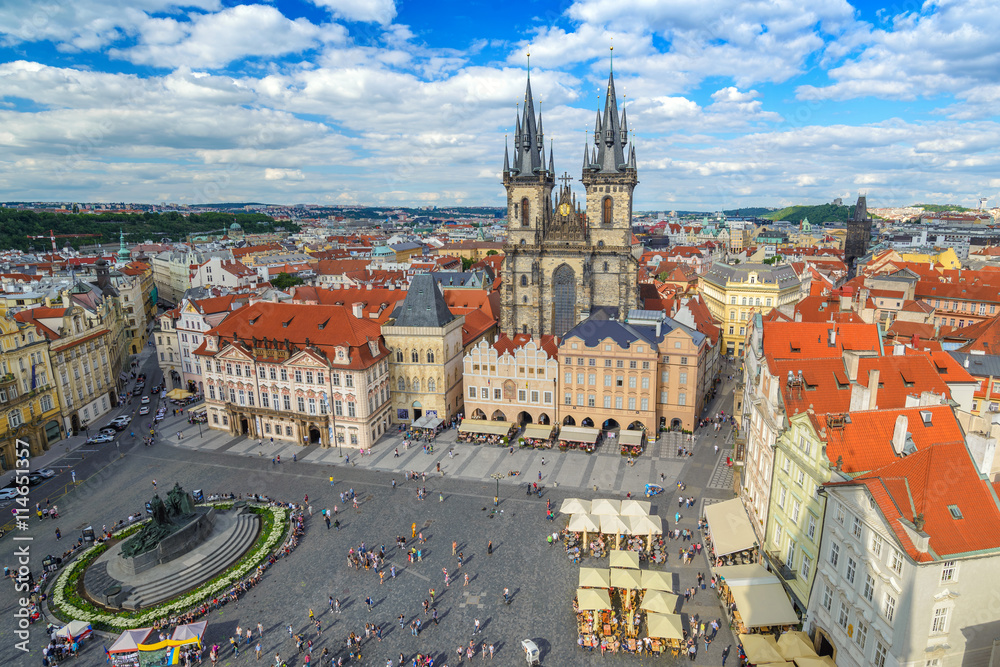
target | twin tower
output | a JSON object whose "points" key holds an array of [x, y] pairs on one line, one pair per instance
{"points": [[563, 263]]}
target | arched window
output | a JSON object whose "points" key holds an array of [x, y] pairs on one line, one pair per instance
{"points": [[606, 211], [415, 384], [401, 384], [430, 356], [523, 242], [744, 301], [399, 356], [431, 386], [415, 356], [524, 212], [600, 244], [524, 281], [756, 302]]}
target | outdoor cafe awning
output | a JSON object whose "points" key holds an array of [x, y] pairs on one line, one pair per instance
{"points": [[178, 393], [485, 427], [730, 527], [419, 423], [589, 523], [795, 644], [658, 602], [579, 434], [632, 507], [657, 580], [623, 558], [665, 626], [592, 577], [759, 596], [592, 599], [612, 524], [632, 437], [625, 578], [574, 506], [539, 431], [761, 649]]}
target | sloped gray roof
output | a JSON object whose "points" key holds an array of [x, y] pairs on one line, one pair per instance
{"points": [[980, 365], [424, 305]]}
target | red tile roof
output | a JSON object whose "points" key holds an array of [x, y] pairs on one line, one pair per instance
{"points": [[549, 344], [913, 486], [810, 340], [865, 444], [325, 327], [981, 337]]}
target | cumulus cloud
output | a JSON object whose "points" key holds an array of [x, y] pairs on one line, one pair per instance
{"points": [[214, 40], [368, 11]]}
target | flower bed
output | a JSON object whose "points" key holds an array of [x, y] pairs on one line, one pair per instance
{"points": [[66, 603]]}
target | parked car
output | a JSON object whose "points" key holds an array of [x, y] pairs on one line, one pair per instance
{"points": [[46, 472], [124, 419], [145, 400], [34, 479], [144, 410], [100, 439], [137, 391], [108, 431], [155, 390], [9, 492]]}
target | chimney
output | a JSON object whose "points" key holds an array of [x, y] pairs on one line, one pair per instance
{"points": [[358, 309], [832, 337], [899, 434], [873, 376], [966, 363]]}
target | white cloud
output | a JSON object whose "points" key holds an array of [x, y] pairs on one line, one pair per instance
{"points": [[948, 47], [283, 175], [214, 40], [369, 11]]}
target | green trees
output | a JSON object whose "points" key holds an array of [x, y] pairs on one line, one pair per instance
{"points": [[284, 281]]}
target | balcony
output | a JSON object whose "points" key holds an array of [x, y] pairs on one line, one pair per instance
{"points": [[780, 567], [7, 379]]}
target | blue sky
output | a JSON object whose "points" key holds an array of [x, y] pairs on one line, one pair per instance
{"points": [[732, 102]]}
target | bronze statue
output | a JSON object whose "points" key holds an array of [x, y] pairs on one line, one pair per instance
{"points": [[165, 521]]}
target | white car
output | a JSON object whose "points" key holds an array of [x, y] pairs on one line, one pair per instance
{"points": [[9, 493], [46, 472], [144, 410], [145, 400]]}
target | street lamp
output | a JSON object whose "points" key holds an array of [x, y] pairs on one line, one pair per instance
{"points": [[497, 476]]}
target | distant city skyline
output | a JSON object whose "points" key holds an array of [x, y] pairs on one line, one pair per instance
{"points": [[371, 102]]}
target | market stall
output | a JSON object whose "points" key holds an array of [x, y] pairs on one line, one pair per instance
{"points": [[730, 535], [484, 431], [125, 651], [632, 442], [594, 620], [539, 436], [74, 631], [579, 437], [625, 578], [755, 599], [427, 425]]}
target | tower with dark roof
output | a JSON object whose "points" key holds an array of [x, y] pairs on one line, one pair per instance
{"points": [[566, 259], [859, 234]]}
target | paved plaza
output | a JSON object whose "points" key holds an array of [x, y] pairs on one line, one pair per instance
{"points": [[541, 577]]}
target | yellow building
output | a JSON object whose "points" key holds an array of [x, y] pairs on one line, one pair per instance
{"points": [[28, 400], [734, 293]]}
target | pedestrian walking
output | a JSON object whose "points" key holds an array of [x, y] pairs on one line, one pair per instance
{"points": [[257, 650], [369, 602], [454, 547], [489, 548], [260, 629], [477, 628], [466, 580]]}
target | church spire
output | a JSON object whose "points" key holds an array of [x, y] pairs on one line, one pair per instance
{"points": [[552, 159], [611, 143], [528, 146], [506, 160]]}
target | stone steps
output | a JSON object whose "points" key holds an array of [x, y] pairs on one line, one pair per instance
{"points": [[239, 539]]}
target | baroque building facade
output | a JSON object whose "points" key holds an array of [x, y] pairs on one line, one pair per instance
{"points": [[564, 261], [425, 365]]}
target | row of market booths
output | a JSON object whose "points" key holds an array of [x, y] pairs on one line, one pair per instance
{"points": [[545, 436], [142, 648], [623, 608], [595, 525], [427, 425]]}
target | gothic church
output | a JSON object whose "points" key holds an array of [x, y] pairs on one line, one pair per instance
{"points": [[563, 263]]}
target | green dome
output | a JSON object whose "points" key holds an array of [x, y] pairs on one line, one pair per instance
{"points": [[235, 227]]}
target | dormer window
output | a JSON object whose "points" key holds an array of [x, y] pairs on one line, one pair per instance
{"points": [[955, 512]]}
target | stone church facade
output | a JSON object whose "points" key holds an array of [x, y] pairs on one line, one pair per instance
{"points": [[566, 259]]}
